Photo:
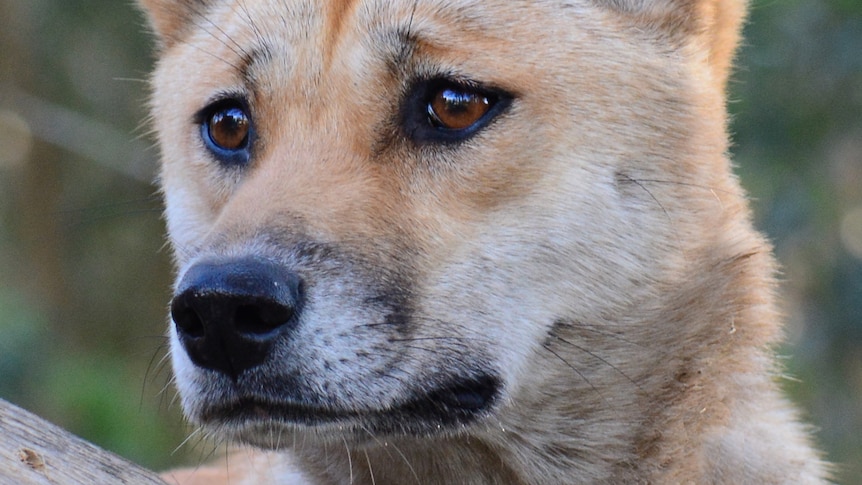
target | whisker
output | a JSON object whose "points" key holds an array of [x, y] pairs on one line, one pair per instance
{"points": [[230, 43], [431, 339], [618, 337], [596, 356], [681, 184], [150, 368], [131, 80], [370, 468], [174, 399], [258, 34], [216, 439], [576, 370], [392, 446], [349, 458], [195, 434], [200, 13]]}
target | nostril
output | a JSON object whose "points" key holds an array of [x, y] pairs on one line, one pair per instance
{"points": [[261, 317], [186, 318]]}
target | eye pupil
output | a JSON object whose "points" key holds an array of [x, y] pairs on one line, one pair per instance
{"points": [[455, 108], [229, 128]]}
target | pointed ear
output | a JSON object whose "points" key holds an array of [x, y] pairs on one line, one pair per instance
{"points": [[714, 24], [169, 18]]}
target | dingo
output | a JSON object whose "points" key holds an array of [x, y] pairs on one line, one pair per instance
{"points": [[466, 242]]}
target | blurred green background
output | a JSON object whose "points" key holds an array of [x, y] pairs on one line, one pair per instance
{"points": [[85, 276]]}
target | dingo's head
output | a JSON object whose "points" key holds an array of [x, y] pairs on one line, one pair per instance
{"points": [[412, 217]]}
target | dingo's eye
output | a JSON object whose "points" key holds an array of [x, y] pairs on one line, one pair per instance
{"points": [[447, 111], [454, 108], [226, 130]]}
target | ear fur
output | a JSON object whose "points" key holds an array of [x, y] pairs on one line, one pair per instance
{"points": [[716, 24], [168, 18]]}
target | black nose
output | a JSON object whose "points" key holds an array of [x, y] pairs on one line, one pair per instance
{"points": [[229, 313]]}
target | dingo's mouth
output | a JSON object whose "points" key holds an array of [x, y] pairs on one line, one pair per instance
{"points": [[456, 403]]}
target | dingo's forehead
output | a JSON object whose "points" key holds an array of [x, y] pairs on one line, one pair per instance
{"points": [[311, 43]]}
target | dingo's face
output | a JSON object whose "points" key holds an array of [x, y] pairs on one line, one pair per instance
{"points": [[386, 214], [426, 218]]}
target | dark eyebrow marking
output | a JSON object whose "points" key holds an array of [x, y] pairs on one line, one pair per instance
{"points": [[405, 46], [401, 48], [251, 60]]}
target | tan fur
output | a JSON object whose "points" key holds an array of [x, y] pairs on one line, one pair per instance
{"points": [[590, 247]]}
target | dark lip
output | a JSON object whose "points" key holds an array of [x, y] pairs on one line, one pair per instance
{"points": [[249, 410], [454, 404]]}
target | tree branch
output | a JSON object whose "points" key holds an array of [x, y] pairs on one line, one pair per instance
{"points": [[36, 452]]}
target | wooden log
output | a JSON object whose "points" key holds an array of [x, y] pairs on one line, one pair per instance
{"points": [[36, 452]]}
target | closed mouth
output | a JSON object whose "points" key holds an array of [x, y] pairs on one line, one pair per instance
{"points": [[456, 403]]}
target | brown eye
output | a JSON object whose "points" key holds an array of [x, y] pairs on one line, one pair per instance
{"points": [[456, 108], [228, 128], [447, 111], [227, 131]]}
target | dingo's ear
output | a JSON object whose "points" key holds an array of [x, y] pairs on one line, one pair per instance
{"points": [[168, 18], [715, 23]]}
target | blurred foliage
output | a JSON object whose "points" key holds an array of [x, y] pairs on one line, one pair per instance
{"points": [[84, 276], [797, 105]]}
